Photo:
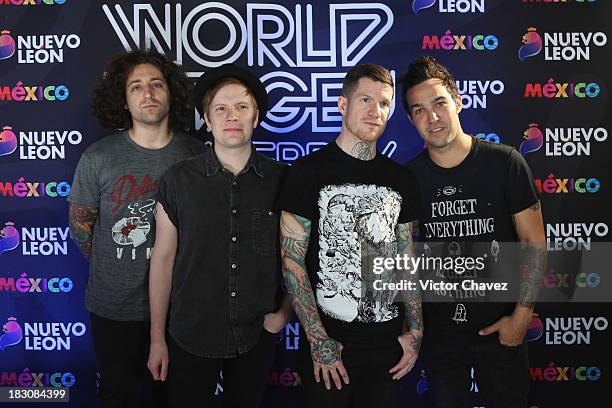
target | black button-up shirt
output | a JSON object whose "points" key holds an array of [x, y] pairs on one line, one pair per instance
{"points": [[227, 270]]}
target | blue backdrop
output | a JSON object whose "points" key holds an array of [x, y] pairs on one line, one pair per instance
{"points": [[533, 74]]}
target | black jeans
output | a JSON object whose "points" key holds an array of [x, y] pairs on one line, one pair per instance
{"points": [[122, 350], [192, 380], [501, 374], [370, 383]]}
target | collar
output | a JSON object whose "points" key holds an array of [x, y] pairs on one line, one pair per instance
{"points": [[212, 164]]}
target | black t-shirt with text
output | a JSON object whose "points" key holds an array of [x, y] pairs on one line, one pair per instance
{"points": [[354, 207], [467, 211]]}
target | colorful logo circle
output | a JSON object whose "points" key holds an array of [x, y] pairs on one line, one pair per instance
{"points": [[532, 44], [418, 5], [7, 45], [534, 139], [12, 333], [535, 329], [8, 141], [9, 238]]}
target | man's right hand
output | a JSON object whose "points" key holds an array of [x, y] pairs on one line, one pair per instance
{"points": [[327, 362], [158, 361]]}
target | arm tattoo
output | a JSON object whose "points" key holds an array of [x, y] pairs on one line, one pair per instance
{"points": [[82, 221], [404, 238], [295, 233], [532, 268], [414, 318], [414, 315], [292, 244], [362, 151], [533, 264]]}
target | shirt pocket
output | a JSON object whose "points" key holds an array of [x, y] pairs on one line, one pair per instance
{"points": [[265, 230]]}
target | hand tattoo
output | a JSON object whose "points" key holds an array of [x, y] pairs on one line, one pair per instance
{"points": [[325, 351]]}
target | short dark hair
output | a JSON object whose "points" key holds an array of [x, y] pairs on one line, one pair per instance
{"points": [[109, 99], [373, 71], [422, 69], [210, 94]]}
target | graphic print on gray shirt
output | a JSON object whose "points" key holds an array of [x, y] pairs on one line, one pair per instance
{"points": [[120, 178]]}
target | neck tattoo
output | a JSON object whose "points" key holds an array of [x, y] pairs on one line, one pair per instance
{"points": [[361, 151]]}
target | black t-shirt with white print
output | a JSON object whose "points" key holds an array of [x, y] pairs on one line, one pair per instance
{"points": [[354, 207], [467, 210]]}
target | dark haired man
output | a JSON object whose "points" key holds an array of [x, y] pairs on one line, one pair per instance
{"points": [[343, 206], [112, 205], [474, 194]]}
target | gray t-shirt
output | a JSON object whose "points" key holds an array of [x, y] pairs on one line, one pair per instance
{"points": [[120, 179]]}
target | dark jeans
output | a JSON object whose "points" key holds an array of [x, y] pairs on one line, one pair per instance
{"points": [[192, 380], [370, 384], [122, 350], [501, 374]]}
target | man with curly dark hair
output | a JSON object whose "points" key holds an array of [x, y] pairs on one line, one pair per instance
{"points": [[144, 97]]}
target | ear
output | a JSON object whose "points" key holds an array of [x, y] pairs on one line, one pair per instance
{"points": [[207, 121], [458, 104], [342, 102], [256, 118]]}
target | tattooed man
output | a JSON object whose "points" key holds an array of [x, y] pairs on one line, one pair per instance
{"points": [[112, 206], [343, 206], [474, 194]]}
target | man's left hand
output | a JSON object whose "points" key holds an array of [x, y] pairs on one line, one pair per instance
{"points": [[511, 329], [411, 343]]}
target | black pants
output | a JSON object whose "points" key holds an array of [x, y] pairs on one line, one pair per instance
{"points": [[122, 350], [192, 380], [501, 374], [370, 383]]}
